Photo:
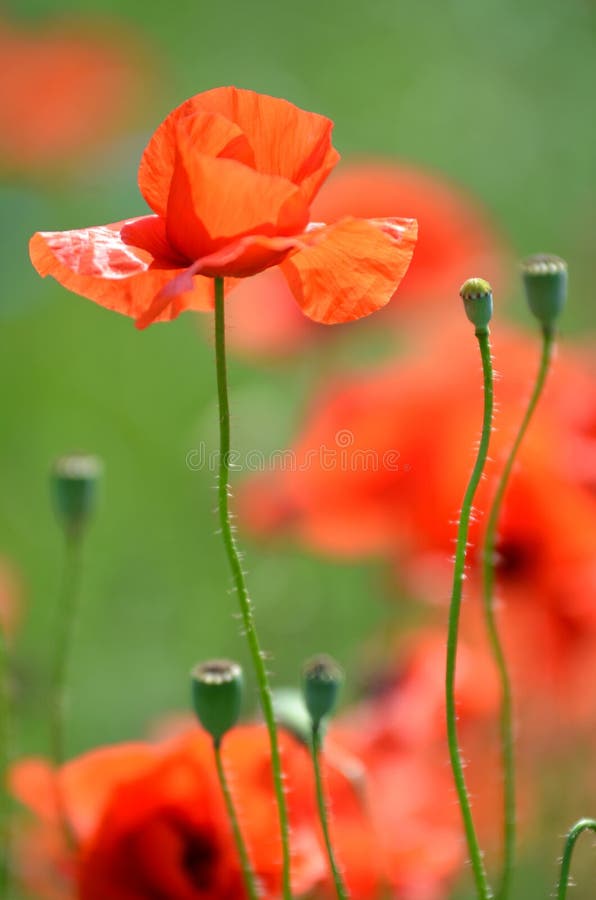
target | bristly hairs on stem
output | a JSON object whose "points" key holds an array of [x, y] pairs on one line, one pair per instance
{"points": [[545, 282], [478, 302], [570, 841], [240, 583]]}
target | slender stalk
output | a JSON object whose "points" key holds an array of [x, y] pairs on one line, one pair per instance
{"points": [[248, 874], [578, 828], [5, 805], [488, 590], [483, 889], [316, 748], [240, 583], [66, 623]]}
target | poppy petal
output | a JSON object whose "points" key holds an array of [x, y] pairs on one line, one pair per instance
{"points": [[213, 201], [104, 265], [211, 133], [351, 269], [457, 235], [236, 260], [286, 141], [86, 782]]}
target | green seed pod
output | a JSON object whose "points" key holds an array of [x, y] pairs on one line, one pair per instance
{"points": [[217, 687], [545, 283], [74, 488], [477, 295], [322, 679]]}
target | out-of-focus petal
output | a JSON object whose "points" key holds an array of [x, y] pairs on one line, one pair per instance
{"points": [[457, 238], [263, 318], [208, 132], [214, 201], [85, 784], [351, 269], [102, 264], [64, 89]]}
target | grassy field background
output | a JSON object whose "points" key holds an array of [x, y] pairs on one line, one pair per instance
{"points": [[497, 95]]}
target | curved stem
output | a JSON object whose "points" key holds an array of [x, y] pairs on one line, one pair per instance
{"points": [[483, 889], [67, 617], [578, 828], [5, 805], [488, 590], [248, 874], [316, 748], [240, 583]]}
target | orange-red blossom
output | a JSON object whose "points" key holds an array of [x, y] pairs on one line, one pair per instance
{"points": [[230, 176], [149, 821]]}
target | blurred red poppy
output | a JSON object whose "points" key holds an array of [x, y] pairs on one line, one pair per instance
{"points": [[63, 89], [231, 176], [456, 239], [380, 465], [380, 469], [149, 820], [399, 728]]}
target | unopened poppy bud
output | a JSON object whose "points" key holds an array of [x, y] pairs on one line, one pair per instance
{"points": [[477, 295], [217, 695], [322, 679], [74, 488], [545, 282]]}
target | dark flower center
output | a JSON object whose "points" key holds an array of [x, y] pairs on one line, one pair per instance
{"points": [[515, 559], [198, 860]]}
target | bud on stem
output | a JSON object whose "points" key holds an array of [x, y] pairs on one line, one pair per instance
{"points": [[477, 295], [545, 283], [217, 696], [322, 679], [74, 487]]}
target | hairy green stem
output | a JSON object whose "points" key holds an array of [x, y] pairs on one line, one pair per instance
{"points": [[578, 828], [248, 874], [240, 583], [488, 590], [316, 748], [67, 616], [5, 805], [483, 889]]}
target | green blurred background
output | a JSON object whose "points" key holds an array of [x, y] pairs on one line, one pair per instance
{"points": [[496, 95]]}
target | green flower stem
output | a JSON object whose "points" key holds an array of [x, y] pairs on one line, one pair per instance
{"points": [[5, 804], [248, 875], [240, 583], [316, 748], [578, 828], [488, 590], [67, 617], [483, 889]]}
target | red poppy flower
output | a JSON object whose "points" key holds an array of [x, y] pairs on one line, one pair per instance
{"points": [[149, 821], [380, 468], [230, 176], [370, 476], [456, 238], [400, 730], [63, 89]]}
